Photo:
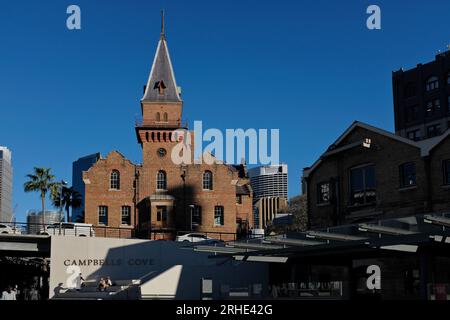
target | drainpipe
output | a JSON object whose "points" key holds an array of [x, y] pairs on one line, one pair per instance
{"points": [[136, 198], [308, 207]]}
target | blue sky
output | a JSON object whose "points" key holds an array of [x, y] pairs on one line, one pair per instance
{"points": [[309, 68]]}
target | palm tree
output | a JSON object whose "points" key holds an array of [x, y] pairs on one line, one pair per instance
{"points": [[67, 198], [42, 181]]}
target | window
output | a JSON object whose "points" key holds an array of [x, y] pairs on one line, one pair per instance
{"points": [[161, 213], [448, 78], [165, 117], [323, 193], [207, 180], [433, 107], [161, 180], [158, 116], [446, 166], [239, 199], [414, 135], [103, 215], [196, 215], [160, 86], [115, 180], [412, 113], [408, 175], [218, 216], [126, 215], [433, 130], [362, 185], [432, 83]]}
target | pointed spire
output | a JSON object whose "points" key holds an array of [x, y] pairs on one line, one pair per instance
{"points": [[161, 85], [162, 25]]}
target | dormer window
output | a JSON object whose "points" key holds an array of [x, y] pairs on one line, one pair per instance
{"points": [[160, 86]]}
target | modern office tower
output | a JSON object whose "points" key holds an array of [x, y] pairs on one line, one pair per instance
{"points": [[269, 181], [6, 213], [422, 99], [82, 164], [34, 219]]}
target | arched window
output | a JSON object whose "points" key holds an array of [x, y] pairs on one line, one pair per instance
{"points": [[432, 83], [158, 116], [207, 180], [161, 180], [115, 180], [165, 117]]}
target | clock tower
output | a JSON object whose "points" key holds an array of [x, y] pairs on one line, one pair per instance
{"points": [[161, 108]]}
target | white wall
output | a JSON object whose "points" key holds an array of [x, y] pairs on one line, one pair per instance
{"points": [[171, 269]]}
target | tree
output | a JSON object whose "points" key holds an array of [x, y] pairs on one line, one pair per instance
{"points": [[66, 198], [42, 181], [296, 207]]}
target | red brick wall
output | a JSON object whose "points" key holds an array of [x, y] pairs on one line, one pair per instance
{"points": [[98, 192], [192, 193]]}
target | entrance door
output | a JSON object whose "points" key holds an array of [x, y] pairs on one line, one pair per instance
{"points": [[161, 216]]}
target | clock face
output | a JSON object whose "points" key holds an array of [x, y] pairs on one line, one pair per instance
{"points": [[161, 152]]}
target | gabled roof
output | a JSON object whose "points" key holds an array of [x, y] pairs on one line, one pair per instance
{"points": [[425, 146], [243, 189], [161, 85], [428, 144], [373, 129]]}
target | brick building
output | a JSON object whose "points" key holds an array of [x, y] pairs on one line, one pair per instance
{"points": [[422, 99], [160, 197], [369, 174]]}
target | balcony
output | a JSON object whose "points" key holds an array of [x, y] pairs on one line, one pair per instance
{"points": [[174, 124]]}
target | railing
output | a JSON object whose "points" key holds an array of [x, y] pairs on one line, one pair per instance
{"points": [[161, 232], [114, 232], [139, 122], [214, 235], [64, 229]]}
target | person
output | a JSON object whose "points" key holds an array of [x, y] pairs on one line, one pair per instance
{"points": [[34, 293], [17, 291], [8, 294], [101, 285], [108, 282], [79, 282]]}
